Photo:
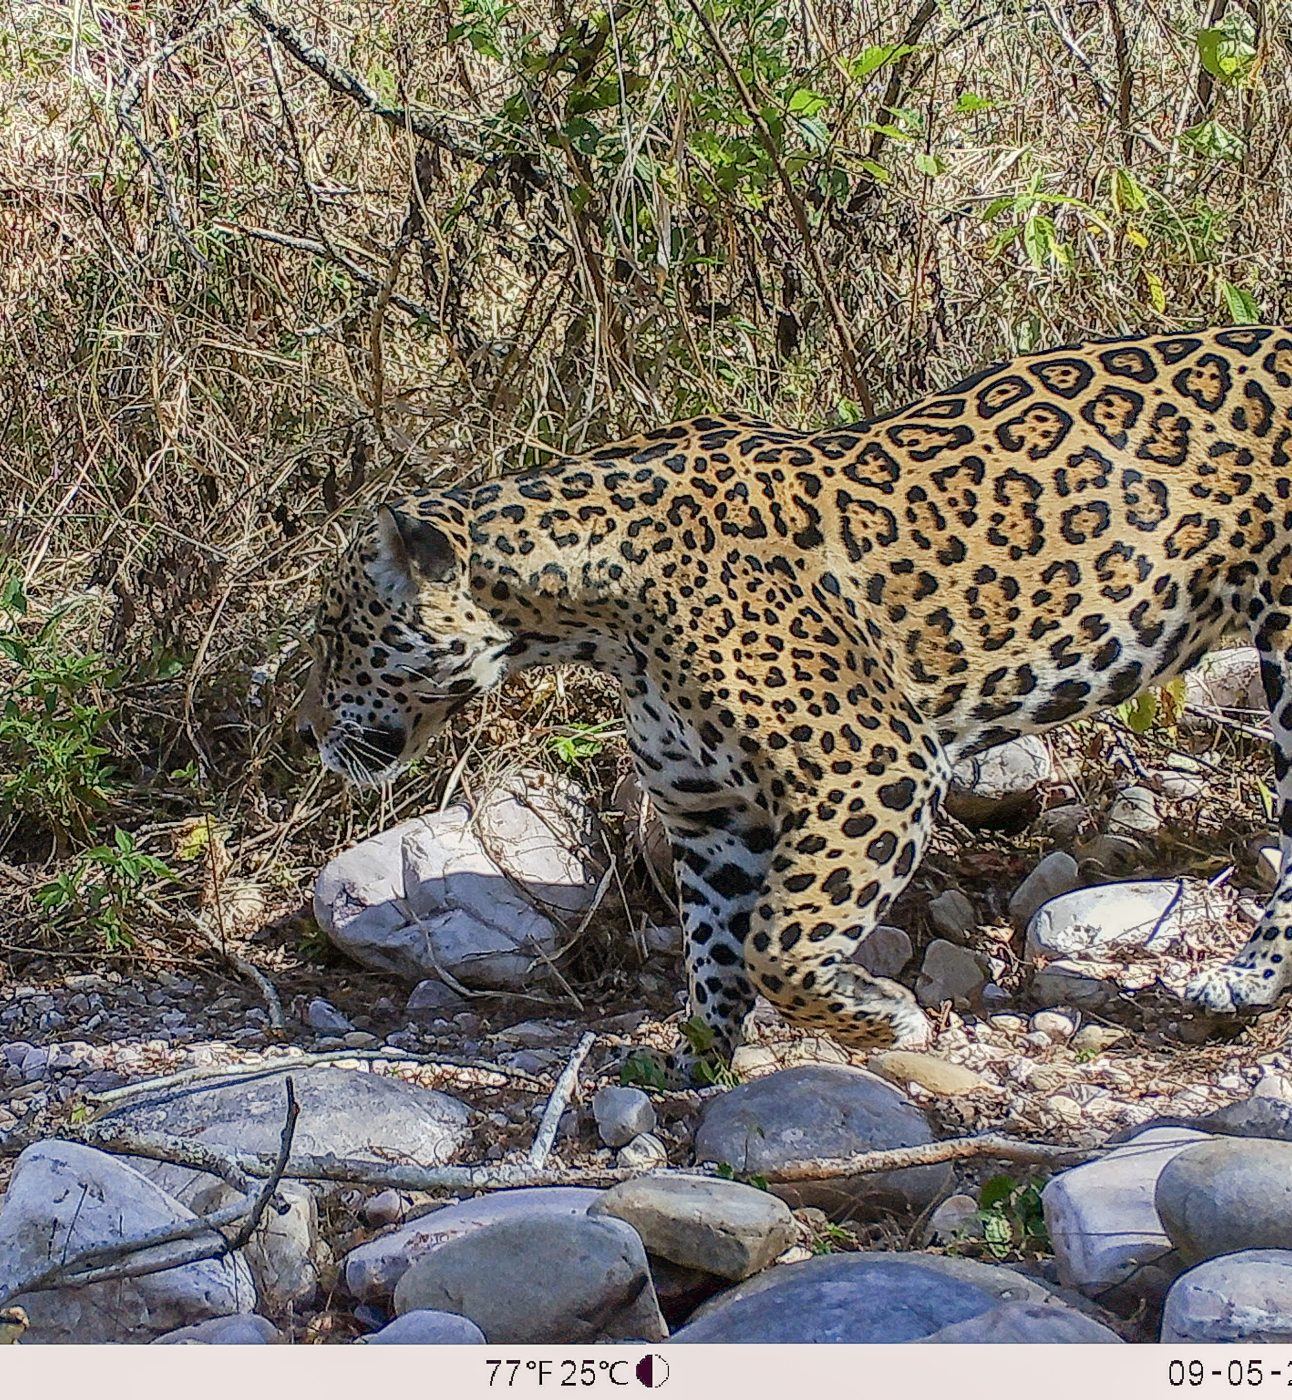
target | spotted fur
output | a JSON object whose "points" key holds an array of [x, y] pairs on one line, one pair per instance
{"points": [[810, 629]]}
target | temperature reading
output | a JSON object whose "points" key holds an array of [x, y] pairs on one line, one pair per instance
{"points": [[650, 1372]]}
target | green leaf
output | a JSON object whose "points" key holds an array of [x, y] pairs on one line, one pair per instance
{"points": [[1139, 712], [971, 102], [928, 164], [872, 59], [1127, 192], [1228, 49], [1041, 242], [806, 103], [1213, 141], [1241, 305], [995, 1190]]}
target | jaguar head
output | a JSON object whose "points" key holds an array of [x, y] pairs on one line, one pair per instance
{"points": [[399, 646]]}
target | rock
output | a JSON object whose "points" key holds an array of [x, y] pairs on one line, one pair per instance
{"points": [[479, 895], [1026, 1322], [952, 913], [285, 1252], [857, 1298], [1227, 680], [1242, 1297], [1101, 1218], [64, 1198], [956, 1218], [346, 1112], [1093, 922], [432, 1000], [425, 1327], [1227, 1194], [885, 952], [903, 1067], [1055, 1026], [1261, 1116], [322, 1016], [536, 1279], [1064, 823], [622, 1114], [1104, 856], [720, 1227], [1051, 877], [994, 787], [643, 1154], [664, 940], [373, 1269], [243, 1329], [951, 973], [823, 1111], [1134, 813], [1094, 1040], [1072, 982]]}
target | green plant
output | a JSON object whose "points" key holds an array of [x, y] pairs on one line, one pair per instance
{"points": [[99, 890], [833, 1239], [643, 1070], [1159, 708], [707, 1065], [52, 764], [1013, 1223], [580, 742]]}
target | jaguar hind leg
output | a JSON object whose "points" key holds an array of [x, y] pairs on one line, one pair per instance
{"points": [[1261, 972]]}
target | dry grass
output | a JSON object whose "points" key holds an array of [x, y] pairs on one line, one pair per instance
{"points": [[238, 306]]}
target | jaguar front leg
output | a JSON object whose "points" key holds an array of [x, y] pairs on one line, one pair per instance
{"points": [[1261, 973]]}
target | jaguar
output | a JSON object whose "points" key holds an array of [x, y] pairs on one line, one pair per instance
{"points": [[810, 629]]}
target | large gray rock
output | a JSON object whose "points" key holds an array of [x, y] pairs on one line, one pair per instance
{"points": [[857, 1298], [823, 1111], [477, 894], [1026, 1322], [64, 1198], [719, 1227], [244, 1329], [537, 1279], [993, 787], [1101, 1218], [286, 1251], [1244, 1297], [1227, 1194], [346, 1112], [423, 1327], [373, 1269]]}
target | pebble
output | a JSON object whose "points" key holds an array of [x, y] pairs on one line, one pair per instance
{"points": [[993, 787], [1134, 813], [644, 1153], [885, 952], [942, 1077], [1055, 875], [1094, 1040], [951, 973], [622, 1114], [1055, 1026], [957, 1217], [322, 1016], [242, 1329], [952, 913], [426, 1327]]}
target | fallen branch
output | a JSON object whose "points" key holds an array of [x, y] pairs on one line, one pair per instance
{"points": [[551, 1119], [1225, 722], [152, 1252], [144, 1087], [107, 1136]]}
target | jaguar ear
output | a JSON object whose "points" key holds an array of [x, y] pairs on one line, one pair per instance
{"points": [[412, 550]]}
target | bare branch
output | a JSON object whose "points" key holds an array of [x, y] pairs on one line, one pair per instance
{"points": [[551, 1119]]}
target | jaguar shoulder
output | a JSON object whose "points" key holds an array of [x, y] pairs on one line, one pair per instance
{"points": [[811, 628]]}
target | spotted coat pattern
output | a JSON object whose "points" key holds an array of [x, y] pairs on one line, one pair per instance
{"points": [[810, 629]]}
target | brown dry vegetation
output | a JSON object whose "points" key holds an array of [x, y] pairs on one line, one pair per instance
{"points": [[252, 281]]}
